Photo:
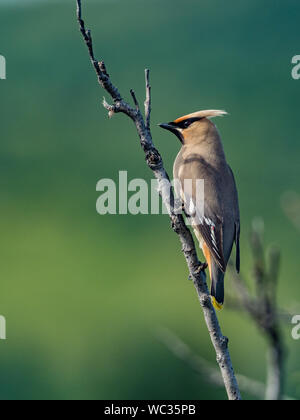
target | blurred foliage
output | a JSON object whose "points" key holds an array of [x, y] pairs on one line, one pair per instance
{"points": [[84, 294]]}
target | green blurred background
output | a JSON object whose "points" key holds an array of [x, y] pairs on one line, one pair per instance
{"points": [[84, 294]]}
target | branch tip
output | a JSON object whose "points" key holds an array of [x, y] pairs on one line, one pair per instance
{"points": [[148, 100], [136, 103]]}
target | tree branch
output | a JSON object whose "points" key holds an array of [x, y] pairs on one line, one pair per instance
{"points": [[202, 367], [155, 163], [148, 99], [263, 308], [136, 102]]}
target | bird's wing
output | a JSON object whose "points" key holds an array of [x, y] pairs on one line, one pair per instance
{"points": [[211, 230], [237, 222], [205, 221], [237, 243]]}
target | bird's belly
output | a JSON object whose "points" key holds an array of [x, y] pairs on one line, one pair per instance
{"points": [[199, 237]]}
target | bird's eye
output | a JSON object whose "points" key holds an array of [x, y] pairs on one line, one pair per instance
{"points": [[187, 124]]}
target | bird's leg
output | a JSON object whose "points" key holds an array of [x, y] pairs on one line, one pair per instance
{"points": [[180, 208], [202, 267]]}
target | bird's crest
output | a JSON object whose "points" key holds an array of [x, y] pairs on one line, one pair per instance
{"points": [[203, 114]]}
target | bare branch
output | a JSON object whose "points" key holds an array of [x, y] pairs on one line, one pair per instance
{"points": [[155, 163], [274, 262], [136, 102], [263, 307], [275, 365], [202, 367], [102, 67], [256, 242], [103, 77], [246, 301], [148, 99]]}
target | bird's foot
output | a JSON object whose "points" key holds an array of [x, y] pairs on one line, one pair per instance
{"points": [[202, 267]]}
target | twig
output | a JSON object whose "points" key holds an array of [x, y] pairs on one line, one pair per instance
{"points": [[238, 304], [263, 308], [148, 99], [103, 77], [136, 102], [202, 367], [155, 163]]}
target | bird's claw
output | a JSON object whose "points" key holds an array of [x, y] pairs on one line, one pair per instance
{"points": [[202, 267]]}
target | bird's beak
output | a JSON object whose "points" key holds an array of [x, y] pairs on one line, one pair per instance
{"points": [[165, 126], [173, 130], [169, 127]]}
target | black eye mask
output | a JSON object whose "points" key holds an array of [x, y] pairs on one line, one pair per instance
{"points": [[185, 123]]}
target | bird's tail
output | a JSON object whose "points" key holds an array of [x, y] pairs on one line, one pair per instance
{"points": [[217, 286]]}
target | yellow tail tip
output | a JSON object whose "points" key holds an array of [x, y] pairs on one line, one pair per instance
{"points": [[216, 305]]}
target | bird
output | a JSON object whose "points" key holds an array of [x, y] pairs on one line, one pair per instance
{"points": [[216, 222]]}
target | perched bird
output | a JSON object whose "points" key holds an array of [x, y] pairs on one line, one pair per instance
{"points": [[217, 223]]}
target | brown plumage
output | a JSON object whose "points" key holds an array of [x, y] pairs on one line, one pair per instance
{"points": [[202, 157]]}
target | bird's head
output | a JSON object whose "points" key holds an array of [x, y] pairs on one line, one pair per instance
{"points": [[195, 127]]}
